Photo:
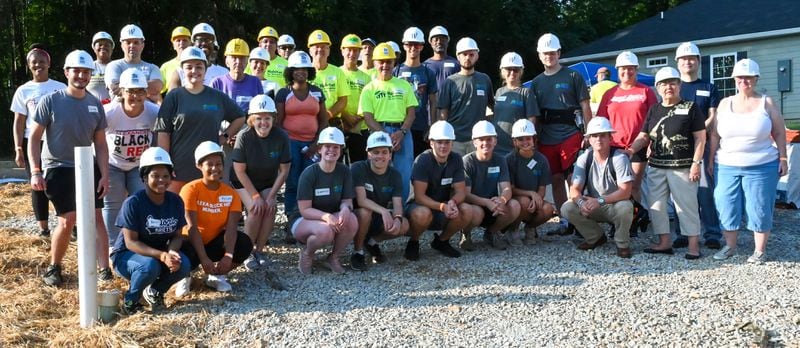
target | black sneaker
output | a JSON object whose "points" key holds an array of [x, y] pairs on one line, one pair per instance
{"points": [[412, 250], [680, 242], [52, 276], [44, 233], [153, 298], [713, 244], [105, 275], [375, 252], [357, 262], [444, 247], [131, 308]]}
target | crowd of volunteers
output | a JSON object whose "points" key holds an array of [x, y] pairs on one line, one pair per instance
{"points": [[192, 158]]}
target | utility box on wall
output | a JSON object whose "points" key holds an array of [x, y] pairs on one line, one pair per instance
{"points": [[785, 75]]}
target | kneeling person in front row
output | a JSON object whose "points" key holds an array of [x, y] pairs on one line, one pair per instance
{"points": [[213, 210], [379, 190], [601, 191]]}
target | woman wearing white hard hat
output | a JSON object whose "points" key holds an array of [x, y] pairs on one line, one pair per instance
{"points": [[147, 253], [747, 164], [512, 102], [261, 161], [258, 63], [103, 47], [530, 175], [676, 133], [23, 105], [129, 133], [192, 114], [204, 38], [325, 202], [302, 115]]}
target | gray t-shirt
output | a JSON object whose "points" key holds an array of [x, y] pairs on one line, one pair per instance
{"points": [[439, 176], [325, 190], [602, 182], [510, 105], [263, 156], [560, 91], [380, 188], [466, 97], [192, 119], [97, 84], [68, 123], [115, 68], [528, 173], [484, 177]]}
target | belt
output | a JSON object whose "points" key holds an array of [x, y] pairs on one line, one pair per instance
{"points": [[392, 124]]}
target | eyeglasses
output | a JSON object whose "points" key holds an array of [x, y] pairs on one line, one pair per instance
{"points": [[203, 40], [285, 48]]}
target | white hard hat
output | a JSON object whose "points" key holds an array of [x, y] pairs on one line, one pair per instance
{"points": [[466, 44], [667, 73], [259, 53], [627, 58], [379, 139], [79, 59], [511, 60], [132, 78], [438, 30], [299, 59], [130, 31], [207, 148], [687, 49], [395, 46], [746, 67], [441, 130], [483, 128], [203, 28], [261, 103], [599, 125], [102, 35], [286, 40], [548, 43], [152, 157], [192, 53], [523, 128], [413, 34], [331, 135]]}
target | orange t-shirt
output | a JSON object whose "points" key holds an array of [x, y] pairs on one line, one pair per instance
{"points": [[212, 207]]}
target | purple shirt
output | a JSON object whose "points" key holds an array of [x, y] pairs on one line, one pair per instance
{"points": [[240, 91]]}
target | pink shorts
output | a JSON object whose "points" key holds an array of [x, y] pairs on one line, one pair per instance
{"points": [[562, 156]]}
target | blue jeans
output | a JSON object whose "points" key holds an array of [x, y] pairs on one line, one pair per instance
{"points": [[403, 160], [121, 184], [755, 186], [299, 163], [142, 271]]}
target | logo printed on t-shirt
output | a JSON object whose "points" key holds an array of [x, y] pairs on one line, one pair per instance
{"points": [[210, 107]]}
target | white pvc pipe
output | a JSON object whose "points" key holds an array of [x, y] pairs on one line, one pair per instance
{"points": [[87, 252]]}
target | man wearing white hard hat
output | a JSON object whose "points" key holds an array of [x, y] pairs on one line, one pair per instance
{"points": [[601, 191], [438, 196], [442, 64], [66, 119], [564, 106], [464, 97], [379, 189], [512, 101], [286, 46], [423, 80], [103, 48], [131, 38], [181, 38], [204, 38], [489, 187]]}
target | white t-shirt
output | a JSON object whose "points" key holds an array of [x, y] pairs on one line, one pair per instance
{"points": [[212, 72], [128, 137], [115, 69], [28, 95]]}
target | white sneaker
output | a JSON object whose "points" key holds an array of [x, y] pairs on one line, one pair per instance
{"points": [[183, 287], [757, 258], [219, 283], [251, 263], [725, 253]]}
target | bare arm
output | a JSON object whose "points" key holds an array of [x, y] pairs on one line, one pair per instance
{"points": [[163, 140], [432, 98], [373, 125], [19, 136], [174, 80], [338, 106]]}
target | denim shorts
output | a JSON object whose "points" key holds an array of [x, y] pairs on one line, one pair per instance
{"points": [[753, 187]]}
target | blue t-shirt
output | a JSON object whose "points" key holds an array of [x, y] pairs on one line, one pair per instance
{"points": [[705, 95], [423, 81], [442, 68], [156, 224]]}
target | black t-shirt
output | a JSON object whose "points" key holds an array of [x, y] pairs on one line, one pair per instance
{"points": [[263, 156], [380, 188], [670, 130], [528, 173], [440, 177], [325, 190], [483, 177]]}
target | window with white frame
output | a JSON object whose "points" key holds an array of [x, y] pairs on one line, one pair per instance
{"points": [[656, 62], [721, 70]]}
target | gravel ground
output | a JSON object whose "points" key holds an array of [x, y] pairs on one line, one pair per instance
{"points": [[548, 294]]}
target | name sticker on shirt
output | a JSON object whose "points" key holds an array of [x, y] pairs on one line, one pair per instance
{"points": [[493, 170], [681, 111], [480, 92], [243, 98], [531, 164], [316, 94], [226, 199], [500, 98], [368, 187], [447, 181], [405, 74], [322, 192], [703, 93], [92, 108], [449, 65]]}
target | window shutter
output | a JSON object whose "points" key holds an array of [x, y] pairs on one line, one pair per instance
{"points": [[741, 55], [705, 68]]}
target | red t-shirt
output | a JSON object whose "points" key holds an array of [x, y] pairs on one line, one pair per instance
{"points": [[627, 110]]}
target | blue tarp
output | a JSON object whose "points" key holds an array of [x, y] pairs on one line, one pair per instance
{"points": [[589, 70]]}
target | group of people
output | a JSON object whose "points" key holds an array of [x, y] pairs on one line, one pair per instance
{"points": [[185, 151]]}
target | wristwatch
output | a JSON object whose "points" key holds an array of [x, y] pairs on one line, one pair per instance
{"points": [[601, 201], [405, 131], [698, 161]]}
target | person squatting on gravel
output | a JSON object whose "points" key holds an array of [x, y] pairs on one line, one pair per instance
{"points": [[379, 188], [213, 210], [601, 191], [147, 253], [325, 205]]}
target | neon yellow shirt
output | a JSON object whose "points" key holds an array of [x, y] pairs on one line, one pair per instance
{"points": [[166, 71], [600, 88], [333, 83], [356, 80], [387, 101], [275, 70]]}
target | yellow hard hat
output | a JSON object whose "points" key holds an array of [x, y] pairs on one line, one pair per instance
{"points": [[180, 31], [351, 41], [267, 32], [317, 37], [383, 51], [237, 47]]}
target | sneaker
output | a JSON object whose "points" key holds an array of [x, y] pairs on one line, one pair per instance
{"points": [[375, 252], [531, 236], [44, 233], [262, 260], [357, 262], [466, 241], [514, 238], [105, 275], [332, 262], [153, 298], [757, 258], [412, 250], [219, 283], [725, 253], [444, 247], [52, 276], [183, 287], [498, 240], [251, 263], [713, 244], [131, 308]]}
